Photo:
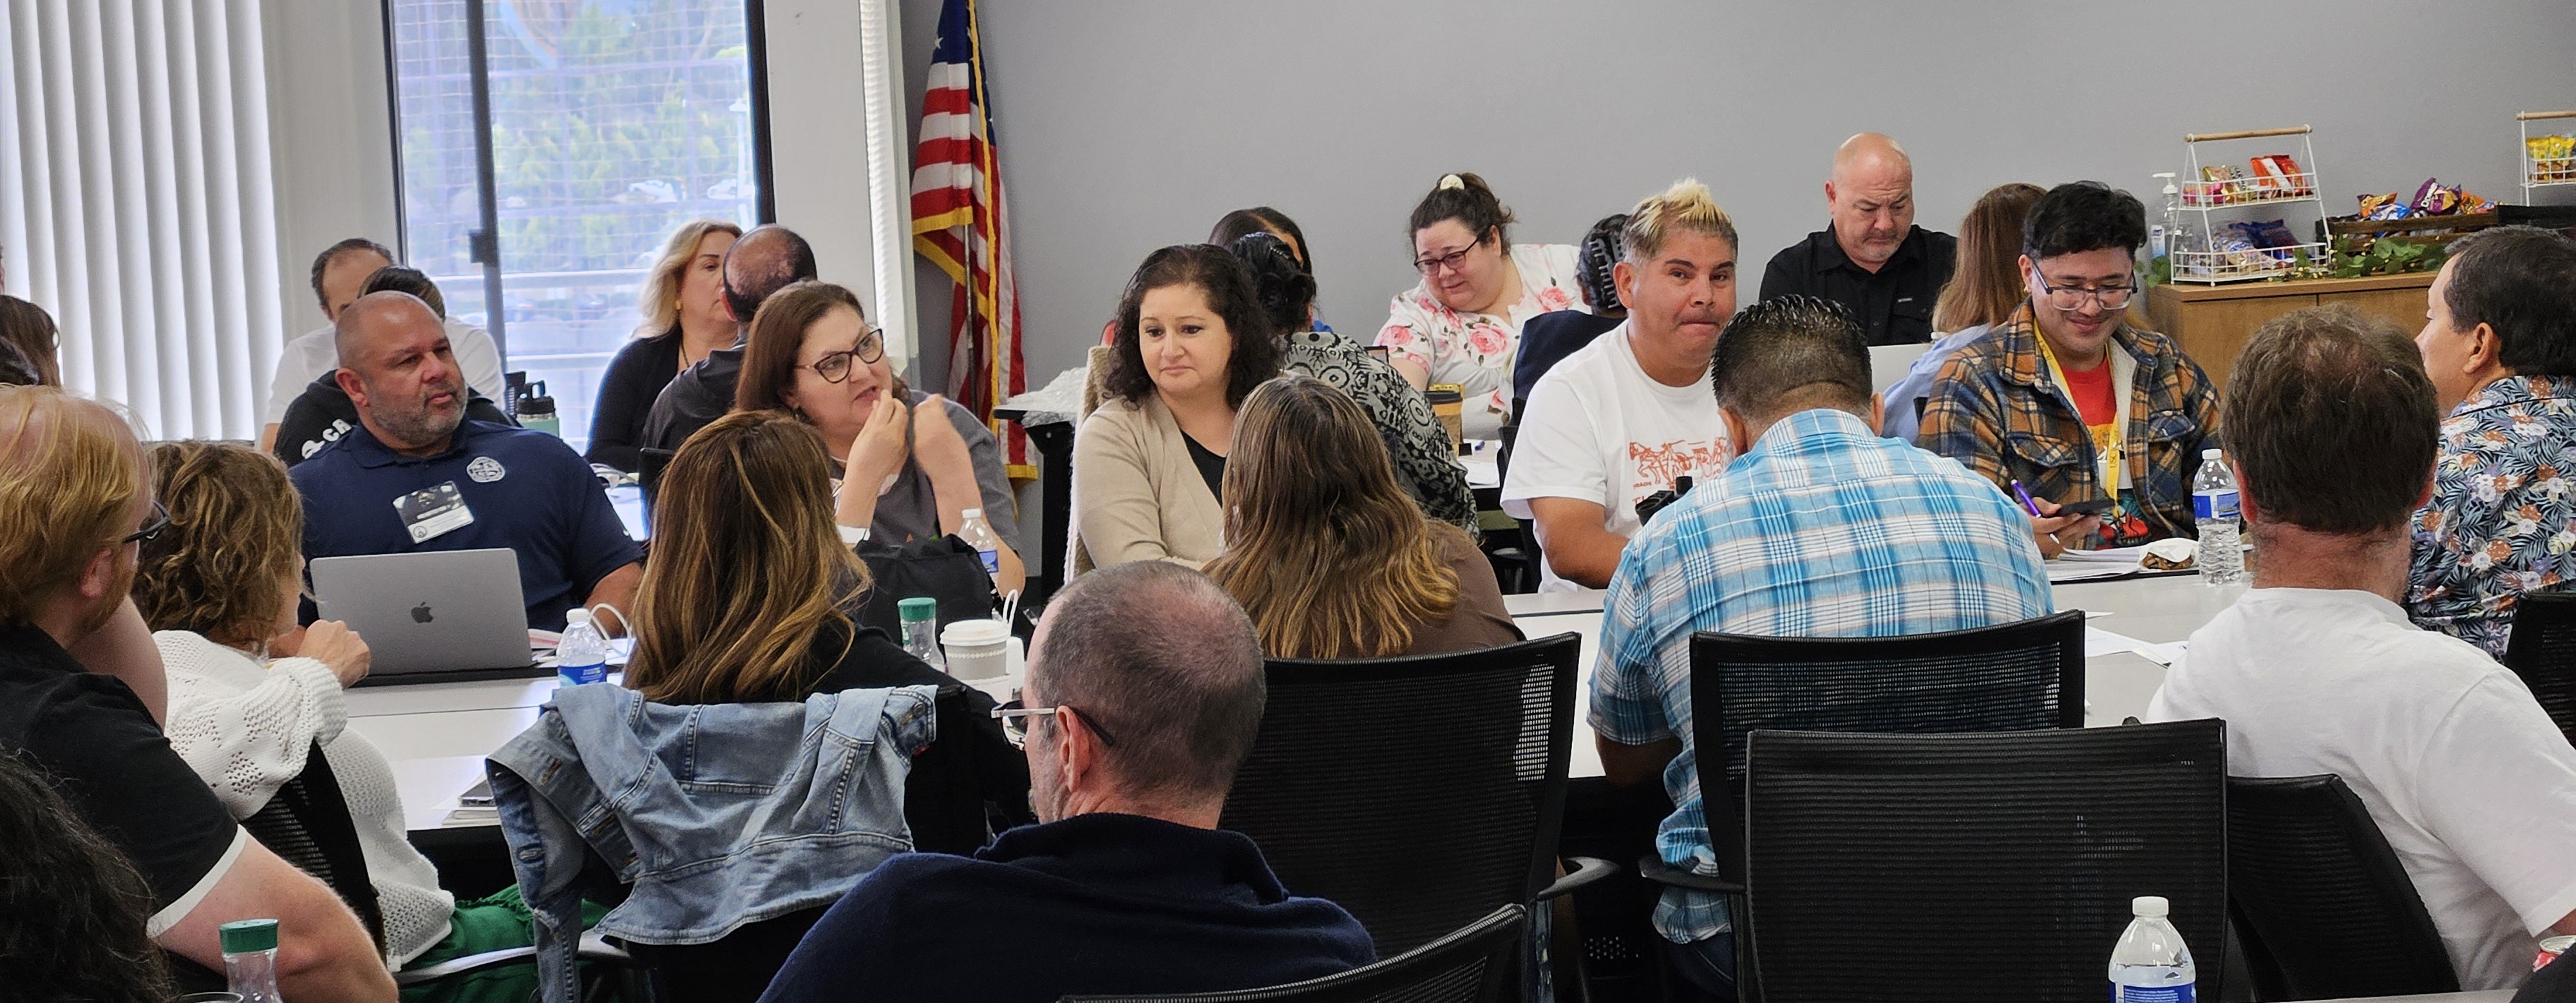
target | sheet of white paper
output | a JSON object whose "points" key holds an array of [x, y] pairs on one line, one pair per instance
{"points": [[2110, 555], [2099, 642], [2165, 654], [2060, 571]]}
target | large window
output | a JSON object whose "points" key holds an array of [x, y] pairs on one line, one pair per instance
{"points": [[611, 122]]}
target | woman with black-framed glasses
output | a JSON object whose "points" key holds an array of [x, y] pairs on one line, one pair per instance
{"points": [[909, 465]]}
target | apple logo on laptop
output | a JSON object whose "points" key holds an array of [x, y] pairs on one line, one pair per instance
{"points": [[420, 613]]}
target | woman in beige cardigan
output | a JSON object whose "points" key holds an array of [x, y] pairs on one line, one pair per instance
{"points": [[1192, 341]]}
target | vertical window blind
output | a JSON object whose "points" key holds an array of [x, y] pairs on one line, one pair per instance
{"points": [[136, 202]]}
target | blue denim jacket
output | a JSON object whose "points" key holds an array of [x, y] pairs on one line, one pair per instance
{"points": [[716, 815]]}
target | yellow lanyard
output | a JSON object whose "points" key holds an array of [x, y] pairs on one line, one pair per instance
{"points": [[2109, 455]]}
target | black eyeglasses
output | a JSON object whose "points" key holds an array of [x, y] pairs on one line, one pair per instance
{"points": [[835, 368], [2070, 300], [1449, 261], [152, 527], [1015, 717]]}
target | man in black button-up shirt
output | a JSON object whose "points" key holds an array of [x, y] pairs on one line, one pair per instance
{"points": [[1872, 258]]}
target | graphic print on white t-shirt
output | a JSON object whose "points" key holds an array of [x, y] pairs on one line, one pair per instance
{"points": [[1598, 429]]}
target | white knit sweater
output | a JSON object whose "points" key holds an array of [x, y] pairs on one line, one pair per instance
{"points": [[246, 728]]}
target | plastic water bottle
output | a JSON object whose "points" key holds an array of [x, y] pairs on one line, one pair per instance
{"points": [[920, 617], [2150, 963], [582, 655], [2213, 505], [988, 545], [250, 959]]}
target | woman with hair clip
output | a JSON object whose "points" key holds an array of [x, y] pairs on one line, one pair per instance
{"points": [[747, 599], [1425, 465], [1984, 291], [1328, 557], [1462, 323], [684, 319], [911, 465], [1192, 341]]}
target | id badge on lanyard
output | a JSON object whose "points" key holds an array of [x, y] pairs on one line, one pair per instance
{"points": [[2108, 456]]}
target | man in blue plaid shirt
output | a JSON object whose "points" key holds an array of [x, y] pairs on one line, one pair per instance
{"points": [[1820, 529]]}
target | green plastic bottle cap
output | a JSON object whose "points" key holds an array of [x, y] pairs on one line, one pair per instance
{"points": [[917, 609], [246, 936]]}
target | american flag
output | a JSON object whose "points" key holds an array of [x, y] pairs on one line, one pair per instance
{"points": [[957, 223]]}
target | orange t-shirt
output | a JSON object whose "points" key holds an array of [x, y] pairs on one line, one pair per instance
{"points": [[2094, 401]]}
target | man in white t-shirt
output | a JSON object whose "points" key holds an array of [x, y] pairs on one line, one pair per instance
{"points": [[339, 276], [2316, 669], [1628, 414]]}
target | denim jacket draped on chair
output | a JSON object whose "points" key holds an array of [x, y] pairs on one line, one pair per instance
{"points": [[716, 815]]}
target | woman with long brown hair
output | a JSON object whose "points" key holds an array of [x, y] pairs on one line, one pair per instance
{"points": [[1983, 291], [748, 599], [1327, 554]]}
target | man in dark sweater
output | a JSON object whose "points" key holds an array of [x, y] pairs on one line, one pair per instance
{"points": [[764, 261], [1872, 258], [1144, 692]]}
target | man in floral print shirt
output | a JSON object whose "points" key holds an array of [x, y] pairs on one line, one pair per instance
{"points": [[2500, 341]]}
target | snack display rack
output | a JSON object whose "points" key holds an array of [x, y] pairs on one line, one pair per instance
{"points": [[2210, 202], [2544, 172]]}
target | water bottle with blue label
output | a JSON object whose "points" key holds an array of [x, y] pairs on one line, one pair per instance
{"points": [[581, 656], [2150, 963], [2221, 559], [988, 545]]}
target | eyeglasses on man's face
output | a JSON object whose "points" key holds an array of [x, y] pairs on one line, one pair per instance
{"points": [[835, 368], [2069, 299], [1016, 715], [152, 525]]}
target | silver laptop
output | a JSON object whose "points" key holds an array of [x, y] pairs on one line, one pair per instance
{"points": [[430, 617]]}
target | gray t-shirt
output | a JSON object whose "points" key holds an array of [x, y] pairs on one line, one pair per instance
{"points": [[909, 510]]}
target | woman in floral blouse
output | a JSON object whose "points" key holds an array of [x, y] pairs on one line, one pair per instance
{"points": [[1462, 323]]}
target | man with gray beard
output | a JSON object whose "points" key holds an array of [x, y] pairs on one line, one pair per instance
{"points": [[417, 476]]}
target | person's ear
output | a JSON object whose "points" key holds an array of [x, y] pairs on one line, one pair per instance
{"points": [[1623, 277], [1878, 411], [1738, 431], [350, 384], [2245, 507], [99, 574], [2029, 272], [1829, 195], [1077, 750], [2485, 349]]}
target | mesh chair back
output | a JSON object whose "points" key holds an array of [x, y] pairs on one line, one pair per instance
{"points": [[306, 823], [2012, 677], [1977, 867], [2542, 650], [2321, 902], [1472, 965], [1417, 793]]}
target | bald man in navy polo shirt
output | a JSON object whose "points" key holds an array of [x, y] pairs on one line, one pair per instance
{"points": [[521, 489]]}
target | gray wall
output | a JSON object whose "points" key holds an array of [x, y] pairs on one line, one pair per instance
{"points": [[1126, 125]]}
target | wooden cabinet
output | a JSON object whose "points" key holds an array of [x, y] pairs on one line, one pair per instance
{"points": [[2212, 323]]}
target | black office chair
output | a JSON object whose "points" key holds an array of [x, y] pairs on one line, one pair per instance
{"points": [[1472, 965], [2321, 903], [1976, 867], [1516, 560], [306, 823], [1418, 793], [2542, 650], [2012, 677]]}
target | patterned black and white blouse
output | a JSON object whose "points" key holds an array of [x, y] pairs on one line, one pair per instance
{"points": [[1425, 465]]}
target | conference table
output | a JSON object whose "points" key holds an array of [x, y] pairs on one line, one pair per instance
{"points": [[436, 734]]}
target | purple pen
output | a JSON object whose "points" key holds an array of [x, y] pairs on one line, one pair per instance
{"points": [[2033, 506]]}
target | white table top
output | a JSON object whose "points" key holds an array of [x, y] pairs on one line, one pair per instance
{"points": [[437, 733]]}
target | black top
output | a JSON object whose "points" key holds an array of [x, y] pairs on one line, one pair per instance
{"points": [[99, 745], [1093, 904], [971, 780], [693, 400], [1546, 340], [2554, 984], [1894, 304], [1211, 466], [322, 414], [626, 393]]}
